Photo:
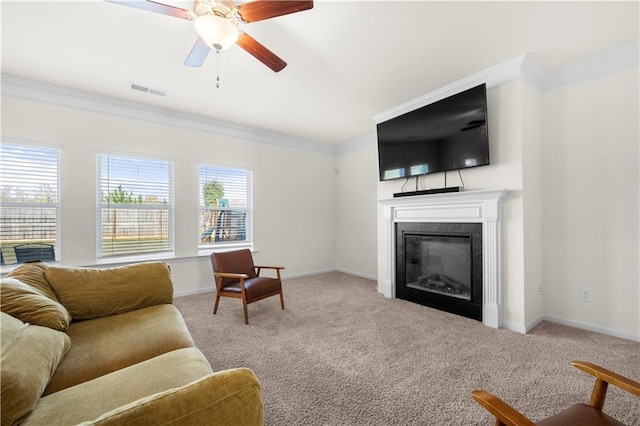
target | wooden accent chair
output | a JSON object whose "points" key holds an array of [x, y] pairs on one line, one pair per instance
{"points": [[236, 276], [578, 414]]}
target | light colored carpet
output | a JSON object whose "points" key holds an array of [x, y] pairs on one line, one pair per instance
{"points": [[342, 354]]}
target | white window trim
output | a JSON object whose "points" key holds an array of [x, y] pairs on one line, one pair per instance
{"points": [[124, 259], [58, 148], [207, 249]]}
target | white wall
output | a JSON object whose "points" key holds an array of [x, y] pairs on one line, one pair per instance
{"points": [[294, 190], [590, 169], [532, 204], [356, 209]]}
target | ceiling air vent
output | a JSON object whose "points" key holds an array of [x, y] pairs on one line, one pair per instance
{"points": [[149, 90]]}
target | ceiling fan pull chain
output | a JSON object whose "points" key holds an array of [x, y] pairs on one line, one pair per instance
{"points": [[217, 69]]}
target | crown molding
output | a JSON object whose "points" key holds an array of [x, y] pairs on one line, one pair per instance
{"points": [[503, 73], [524, 69], [357, 144], [616, 60], [56, 95], [520, 68]]}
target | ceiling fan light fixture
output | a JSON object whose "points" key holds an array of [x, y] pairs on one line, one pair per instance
{"points": [[216, 31]]}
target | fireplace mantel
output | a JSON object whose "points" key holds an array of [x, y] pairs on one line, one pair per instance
{"points": [[483, 206]]}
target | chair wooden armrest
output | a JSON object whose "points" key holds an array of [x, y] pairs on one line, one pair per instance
{"points": [[603, 378], [230, 275], [220, 276], [259, 268], [505, 414]]}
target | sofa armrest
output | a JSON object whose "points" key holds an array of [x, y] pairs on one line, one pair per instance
{"points": [[229, 397], [89, 293]]}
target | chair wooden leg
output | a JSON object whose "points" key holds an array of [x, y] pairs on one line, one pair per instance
{"points": [[282, 300], [598, 394], [246, 312], [215, 306]]}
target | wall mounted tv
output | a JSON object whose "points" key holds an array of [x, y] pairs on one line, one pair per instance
{"points": [[449, 134]]}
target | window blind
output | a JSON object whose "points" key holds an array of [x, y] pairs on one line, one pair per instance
{"points": [[135, 206], [225, 207], [29, 197]]}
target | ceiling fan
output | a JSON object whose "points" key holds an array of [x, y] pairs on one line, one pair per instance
{"points": [[216, 23]]}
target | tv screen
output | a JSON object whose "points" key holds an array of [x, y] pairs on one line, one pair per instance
{"points": [[449, 134]]}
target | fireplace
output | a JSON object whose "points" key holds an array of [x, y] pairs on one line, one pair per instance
{"points": [[440, 265], [434, 214]]}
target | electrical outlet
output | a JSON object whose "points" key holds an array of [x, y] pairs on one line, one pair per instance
{"points": [[585, 295], [540, 289]]}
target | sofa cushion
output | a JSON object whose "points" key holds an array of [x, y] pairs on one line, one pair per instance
{"points": [[91, 399], [229, 397], [29, 356], [103, 345], [94, 293], [29, 304], [33, 275]]}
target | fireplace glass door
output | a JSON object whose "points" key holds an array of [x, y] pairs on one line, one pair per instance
{"points": [[439, 264]]}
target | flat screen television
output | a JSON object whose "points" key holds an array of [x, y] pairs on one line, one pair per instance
{"points": [[449, 134]]}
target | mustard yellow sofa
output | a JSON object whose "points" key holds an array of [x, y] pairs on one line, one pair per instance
{"points": [[106, 346]]}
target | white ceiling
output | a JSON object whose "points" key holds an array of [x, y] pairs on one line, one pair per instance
{"points": [[348, 60]]}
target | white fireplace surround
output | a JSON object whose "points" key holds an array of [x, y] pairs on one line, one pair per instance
{"points": [[482, 206]]}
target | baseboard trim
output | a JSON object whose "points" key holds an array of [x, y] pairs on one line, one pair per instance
{"points": [[590, 327], [192, 292], [531, 325], [307, 274], [358, 274], [515, 328], [576, 324], [571, 323], [284, 278]]}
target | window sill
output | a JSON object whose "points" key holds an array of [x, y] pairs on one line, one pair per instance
{"points": [[134, 259], [207, 250], [127, 260]]}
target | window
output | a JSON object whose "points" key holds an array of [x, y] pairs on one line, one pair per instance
{"points": [[135, 206], [30, 207], [225, 208]]}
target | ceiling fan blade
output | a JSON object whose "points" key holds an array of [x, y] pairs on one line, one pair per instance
{"points": [[263, 9], [198, 54], [152, 6], [260, 52]]}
